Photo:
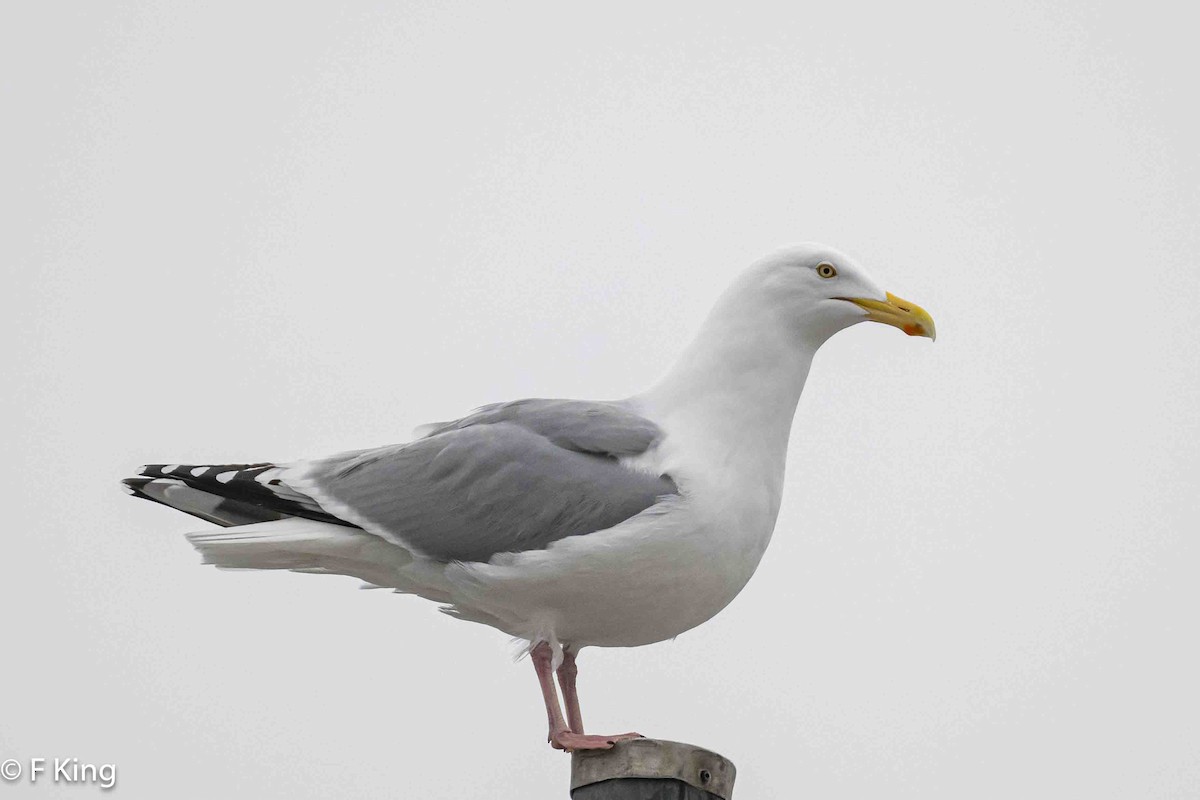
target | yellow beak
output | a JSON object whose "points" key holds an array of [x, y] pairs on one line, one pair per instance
{"points": [[908, 317]]}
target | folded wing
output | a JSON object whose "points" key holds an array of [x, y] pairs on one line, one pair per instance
{"points": [[508, 478]]}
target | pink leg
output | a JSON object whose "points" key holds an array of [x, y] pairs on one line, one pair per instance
{"points": [[561, 736], [566, 681]]}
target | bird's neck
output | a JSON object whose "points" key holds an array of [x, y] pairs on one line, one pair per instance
{"points": [[734, 390]]}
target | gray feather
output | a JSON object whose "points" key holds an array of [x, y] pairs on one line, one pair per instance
{"points": [[589, 427], [508, 478]]}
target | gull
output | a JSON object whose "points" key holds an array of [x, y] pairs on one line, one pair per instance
{"points": [[565, 523]]}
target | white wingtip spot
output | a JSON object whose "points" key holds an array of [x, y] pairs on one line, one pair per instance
{"points": [[226, 477], [167, 470], [198, 471], [128, 489]]}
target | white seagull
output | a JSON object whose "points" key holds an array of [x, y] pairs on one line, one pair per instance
{"points": [[565, 523]]}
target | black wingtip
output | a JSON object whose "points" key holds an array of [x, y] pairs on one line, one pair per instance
{"points": [[134, 486], [233, 490]]}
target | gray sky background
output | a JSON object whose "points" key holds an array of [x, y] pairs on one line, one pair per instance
{"points": [[239, 233]]}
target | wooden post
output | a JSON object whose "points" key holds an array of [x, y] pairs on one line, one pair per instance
{"points": [[651, 769]]}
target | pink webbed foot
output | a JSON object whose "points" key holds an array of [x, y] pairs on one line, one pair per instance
{"points": [[570, 742]]}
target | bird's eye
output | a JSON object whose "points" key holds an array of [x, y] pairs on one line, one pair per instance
{"points": [[826, 271]]}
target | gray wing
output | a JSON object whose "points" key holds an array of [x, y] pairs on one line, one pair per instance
{"points": [[508, 478], [588, 427]]}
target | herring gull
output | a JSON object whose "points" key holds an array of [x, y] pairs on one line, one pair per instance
{"points": [[565, 523]]}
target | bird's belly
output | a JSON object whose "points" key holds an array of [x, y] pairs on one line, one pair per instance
{"points": [[644, 581], [659, 604]]}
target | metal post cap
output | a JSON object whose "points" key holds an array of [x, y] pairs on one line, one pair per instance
{"points": [[655, 758]]}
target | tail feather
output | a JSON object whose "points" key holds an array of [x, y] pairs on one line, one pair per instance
{"points": [[302, 545]]}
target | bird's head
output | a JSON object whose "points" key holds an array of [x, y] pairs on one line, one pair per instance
{"points": [[819, 291]]}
